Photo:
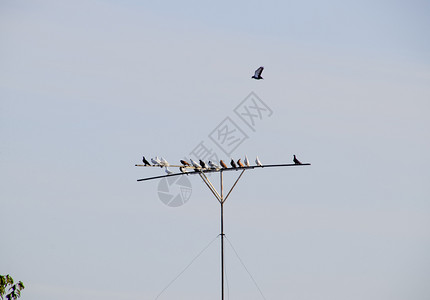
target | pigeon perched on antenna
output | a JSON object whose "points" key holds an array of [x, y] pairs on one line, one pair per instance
{"points": [[195, 165], [258, 162], [223, 165], [202, 163], [296, 161], [164, 162], [156, 161], [213, 165], [145, 161], [246, 161], [240, 164], [257, 74], [233, 164], [185, 163]]}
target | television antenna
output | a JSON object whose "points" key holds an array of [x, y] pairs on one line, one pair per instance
{"points": [[220, 196]]}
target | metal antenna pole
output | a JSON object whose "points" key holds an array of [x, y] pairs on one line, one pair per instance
{"points": [[222, 238], [219, 197]]}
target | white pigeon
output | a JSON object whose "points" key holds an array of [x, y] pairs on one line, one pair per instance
{"points": [[168, 171], [164, 162], [156, 161], [183, 169], [258, 162], [213, 165], [195, 165], [246, 161]]}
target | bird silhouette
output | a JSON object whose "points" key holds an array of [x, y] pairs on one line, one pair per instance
{"points": [[258, 162], [145, 161], [246, 161], [185, 163], [257, 74], [232, 163], [202, 163], [223, 165], [296, 161], [240, 163]]}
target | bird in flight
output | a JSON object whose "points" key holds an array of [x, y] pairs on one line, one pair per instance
{"points": [[257, 74], [223, 165], [185, 163], [258, 162], [145, 161], [240, 164], [233, 164], [246, 161], [296, 161]]}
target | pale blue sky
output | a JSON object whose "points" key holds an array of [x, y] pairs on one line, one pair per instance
{"points": [[87, 87]]}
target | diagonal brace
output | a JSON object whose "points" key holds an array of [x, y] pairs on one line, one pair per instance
{"points": [[233, 186], [210, 186]]}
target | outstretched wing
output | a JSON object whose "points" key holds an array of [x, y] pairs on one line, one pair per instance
{"points": [[259, 71]]}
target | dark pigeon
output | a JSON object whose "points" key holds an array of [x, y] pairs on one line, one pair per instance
{"points": [[296, 161], [233, 164], [145, 161], [257, 74], [202, 163]]}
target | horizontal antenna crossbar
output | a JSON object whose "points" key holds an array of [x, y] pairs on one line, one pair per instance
{"points": [[198, 171]]}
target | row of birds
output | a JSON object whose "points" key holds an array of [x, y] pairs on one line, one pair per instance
{"points": [[161, 162]]}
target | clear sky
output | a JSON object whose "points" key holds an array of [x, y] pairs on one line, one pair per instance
{"points": [[88, 87]]}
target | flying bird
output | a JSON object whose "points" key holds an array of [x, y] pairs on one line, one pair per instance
{"points": [[168, 171], [258, 162], [195, 165], [202, 163], [145, 161], [233, 164], [185, 163], [246, 161], [223, 165], [296, 161], [164, 162], [156, 161], [240, 163], [257, 74]]}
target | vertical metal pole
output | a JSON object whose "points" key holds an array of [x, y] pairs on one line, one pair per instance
{"points": [[222, 238]]}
